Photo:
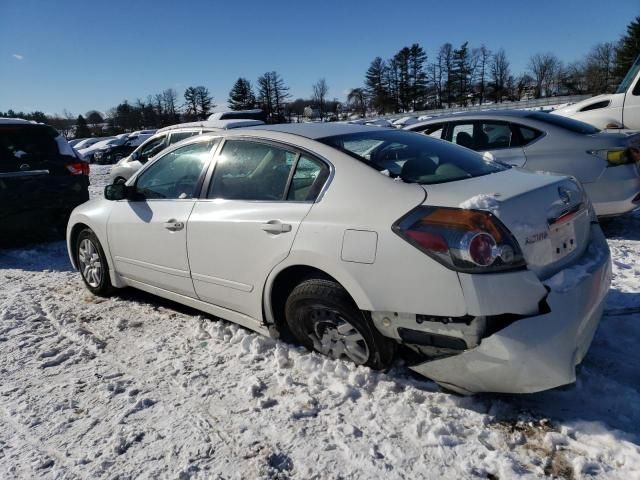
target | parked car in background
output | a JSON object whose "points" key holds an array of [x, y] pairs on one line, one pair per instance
{"points": [[619, 110], [87, 142], [485, 271], [116, 150], [167, 136], [603, 162], [41, 180], [404, 121], [75, 141], [88, 152], [253, 114]]}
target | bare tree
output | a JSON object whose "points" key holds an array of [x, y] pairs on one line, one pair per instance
{"points": [[358, 99], [320, 90], [499, 74], [170, 105], [599, 68], [483, 56], [544, 67]]}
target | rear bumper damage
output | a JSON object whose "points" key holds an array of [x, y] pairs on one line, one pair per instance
{"points": [[537, 352]]}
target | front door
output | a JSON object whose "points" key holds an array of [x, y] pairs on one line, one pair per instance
{"points": [[147, 234], [257, 196]]}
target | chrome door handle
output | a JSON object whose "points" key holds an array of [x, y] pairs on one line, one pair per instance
{"points": [[276, 227], [173, 225]]}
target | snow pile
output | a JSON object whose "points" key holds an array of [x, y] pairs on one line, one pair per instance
{"points": [[136, 386], [568, 278], [482, 202]]}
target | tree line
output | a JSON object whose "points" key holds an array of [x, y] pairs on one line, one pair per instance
{"points": [[408, 81], [463, 75]]}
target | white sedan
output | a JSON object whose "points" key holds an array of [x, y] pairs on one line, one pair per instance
{"points": [[353, 239]]}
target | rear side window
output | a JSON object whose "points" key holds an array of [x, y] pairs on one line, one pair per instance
{"points": [[526, 135], [27, 144], [482, 135], [251, 171], [563, 122], [308, 179], [413, 158], [435, 130]]}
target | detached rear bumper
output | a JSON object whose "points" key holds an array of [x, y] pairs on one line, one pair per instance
{"points": [[539, 352]]}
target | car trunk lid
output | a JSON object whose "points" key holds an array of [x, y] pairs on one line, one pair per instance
{"points": [[547, 214]]}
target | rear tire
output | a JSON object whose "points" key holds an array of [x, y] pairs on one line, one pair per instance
{"points": [[92, 264], [322, 316]]}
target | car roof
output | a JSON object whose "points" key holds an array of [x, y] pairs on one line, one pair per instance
{"points": [[495, 114], [17, 121], [315, 131], [217, 124]]}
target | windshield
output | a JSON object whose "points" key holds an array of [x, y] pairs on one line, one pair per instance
{"points": [[575, 126], [628, 78], [413, 157]]}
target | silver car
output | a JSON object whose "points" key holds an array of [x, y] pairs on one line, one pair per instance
{"points": [[607, 164], [125, 168]]}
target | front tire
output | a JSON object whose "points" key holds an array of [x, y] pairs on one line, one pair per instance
{"points": [[322, 316], [92, 264]]}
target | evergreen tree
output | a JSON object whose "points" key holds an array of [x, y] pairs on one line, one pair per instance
{"points": [[376, 87], [241, 96], [82, 131], [191, 103], [417, 76], [204, 102], [628, 49], [462, 73]]}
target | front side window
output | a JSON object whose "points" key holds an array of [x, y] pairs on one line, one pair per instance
{"points": [[413, 158], [176, 174], [251, 171]]}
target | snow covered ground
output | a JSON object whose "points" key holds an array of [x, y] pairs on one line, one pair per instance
{"points": [[135, 386]]}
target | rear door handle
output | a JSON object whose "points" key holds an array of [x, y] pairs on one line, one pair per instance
{"points": [[276, 227], [173, 225]]}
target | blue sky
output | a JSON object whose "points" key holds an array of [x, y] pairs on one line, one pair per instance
{"points": [[82, 55]]}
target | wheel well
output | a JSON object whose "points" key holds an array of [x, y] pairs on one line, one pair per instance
{"points": [[284, 283], [73, 239]]}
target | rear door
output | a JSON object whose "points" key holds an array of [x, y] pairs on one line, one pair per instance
{"points": [[147, 234], [258, 194]]}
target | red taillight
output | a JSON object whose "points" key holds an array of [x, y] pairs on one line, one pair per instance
{"points": [[430, 241], [472, 241], [78, 168], [482, 249]]}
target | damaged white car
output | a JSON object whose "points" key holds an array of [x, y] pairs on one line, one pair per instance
{"points": [[353, 239]]}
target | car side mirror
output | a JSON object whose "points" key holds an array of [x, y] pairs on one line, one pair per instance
{"points": [[116, 191]]}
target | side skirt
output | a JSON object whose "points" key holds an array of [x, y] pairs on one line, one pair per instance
{"points": [[230, 315]]}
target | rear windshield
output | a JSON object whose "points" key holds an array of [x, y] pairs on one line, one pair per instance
{"points": [[564, 122], [413, 157], [27, 143]]}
